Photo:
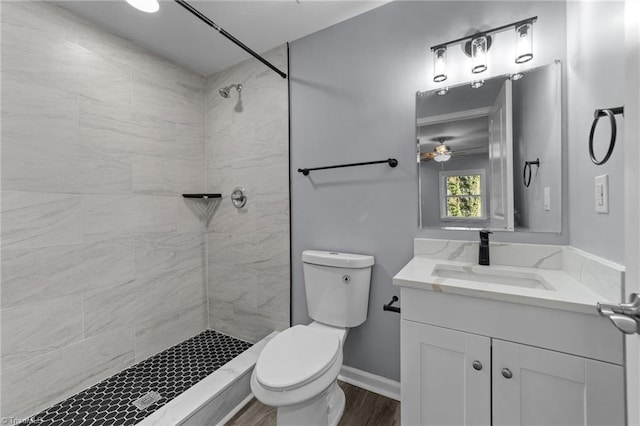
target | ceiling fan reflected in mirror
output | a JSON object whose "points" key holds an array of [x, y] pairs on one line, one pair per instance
{"points": [[443, 152]]}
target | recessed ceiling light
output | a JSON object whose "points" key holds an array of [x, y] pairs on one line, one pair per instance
{"points": [[149, 6]]}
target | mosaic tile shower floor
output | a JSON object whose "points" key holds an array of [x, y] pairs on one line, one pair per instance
{"points": [[169, 373]]}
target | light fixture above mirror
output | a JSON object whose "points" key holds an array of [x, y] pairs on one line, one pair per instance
{"points": [[477, 46], [440, 64]]}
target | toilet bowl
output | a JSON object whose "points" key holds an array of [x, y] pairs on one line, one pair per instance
{"points": [[297, 370]]}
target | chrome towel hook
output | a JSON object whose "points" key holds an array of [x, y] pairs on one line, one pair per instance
{"points": [[526, 173], [609, 112]]}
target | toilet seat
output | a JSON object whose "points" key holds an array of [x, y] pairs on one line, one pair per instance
{"points": [[296, 357]]}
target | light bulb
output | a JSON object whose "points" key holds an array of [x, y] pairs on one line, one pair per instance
{"points": [[524, 43], [149, 6], [443, 91], [477, 84], [479, 54], [440, 64]]}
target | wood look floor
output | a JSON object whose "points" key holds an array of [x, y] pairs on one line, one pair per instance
{"points": [[362, 408]]}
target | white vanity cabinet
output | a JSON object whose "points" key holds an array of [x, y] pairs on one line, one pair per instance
{"points": [[446, 376], [471, 361], [533, 386]]}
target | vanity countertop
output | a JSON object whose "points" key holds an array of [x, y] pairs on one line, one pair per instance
{"points": [[564, 292]]}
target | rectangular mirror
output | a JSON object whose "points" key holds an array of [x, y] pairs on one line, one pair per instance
{"points": [[491, 157]]}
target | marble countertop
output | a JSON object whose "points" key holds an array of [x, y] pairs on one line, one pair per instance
{"points": [[565, 293]]}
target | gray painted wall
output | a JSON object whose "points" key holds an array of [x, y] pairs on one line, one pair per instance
{"points": [[353, 99], [596, 80]]}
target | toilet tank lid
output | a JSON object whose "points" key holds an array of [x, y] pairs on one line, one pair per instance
{"points": [[338, 260]]}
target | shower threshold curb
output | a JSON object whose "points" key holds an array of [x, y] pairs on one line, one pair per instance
{"points": [[204, 393]]}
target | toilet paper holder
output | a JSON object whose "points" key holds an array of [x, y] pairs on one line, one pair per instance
{"points": [[388, 306]]}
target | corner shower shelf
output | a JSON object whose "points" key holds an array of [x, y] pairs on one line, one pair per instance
{"points": [[203, 196], [205, 208]]}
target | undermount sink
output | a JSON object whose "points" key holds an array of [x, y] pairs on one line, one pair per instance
{"points": [[492, 275]]}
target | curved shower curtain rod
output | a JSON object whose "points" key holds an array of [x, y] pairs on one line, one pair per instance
{"points": [[222, 31]]}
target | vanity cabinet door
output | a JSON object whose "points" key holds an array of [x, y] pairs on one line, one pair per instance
{"points": [[446, 377], [533, 386]]}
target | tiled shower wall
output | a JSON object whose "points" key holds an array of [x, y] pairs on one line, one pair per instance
{"points": [[102, 259], [248, 249]]}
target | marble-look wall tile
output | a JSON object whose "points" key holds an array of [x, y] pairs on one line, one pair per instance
{"points": [[100, 138], [167, 176], [168, 329], [142, 299], [248, 248], [40, 18], [272, 212], [24, 46], [234, 284], [36, 275], [243, 323], [156, 213], [157, 252], [26, 336], [230, 219], [40, 382], [274, 287], [103, 126], [193, 214], [169, 274], [33, 219], [39, 138], [108, 216]]}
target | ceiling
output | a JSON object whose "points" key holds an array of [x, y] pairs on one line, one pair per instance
{"points": [[174, 33], [470, 135]]}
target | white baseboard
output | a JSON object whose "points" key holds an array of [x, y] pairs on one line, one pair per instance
{"points": [[371, 382], [235, 411]]}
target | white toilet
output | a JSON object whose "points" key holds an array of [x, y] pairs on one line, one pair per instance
{"points": [[297, 370]]}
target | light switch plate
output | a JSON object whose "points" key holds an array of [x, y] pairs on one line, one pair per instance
{"points": [[602, 194], [547, 198]]}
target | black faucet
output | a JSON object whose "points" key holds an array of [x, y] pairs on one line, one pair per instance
{"points": [[483, 253]]}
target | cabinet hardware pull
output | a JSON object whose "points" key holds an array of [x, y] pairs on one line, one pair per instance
{"points": [[477, 365], [506, 373]]}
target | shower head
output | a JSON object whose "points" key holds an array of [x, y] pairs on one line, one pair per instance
{"points": [[225, 91]]}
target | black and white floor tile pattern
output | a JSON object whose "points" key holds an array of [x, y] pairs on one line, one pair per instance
{"points": [[169, 373]]}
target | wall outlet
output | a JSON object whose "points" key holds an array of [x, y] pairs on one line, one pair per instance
{"points": [[547, 198], [602, 194]]}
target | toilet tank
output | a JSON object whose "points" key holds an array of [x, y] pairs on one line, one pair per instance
{"points": [[337, 286]]}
